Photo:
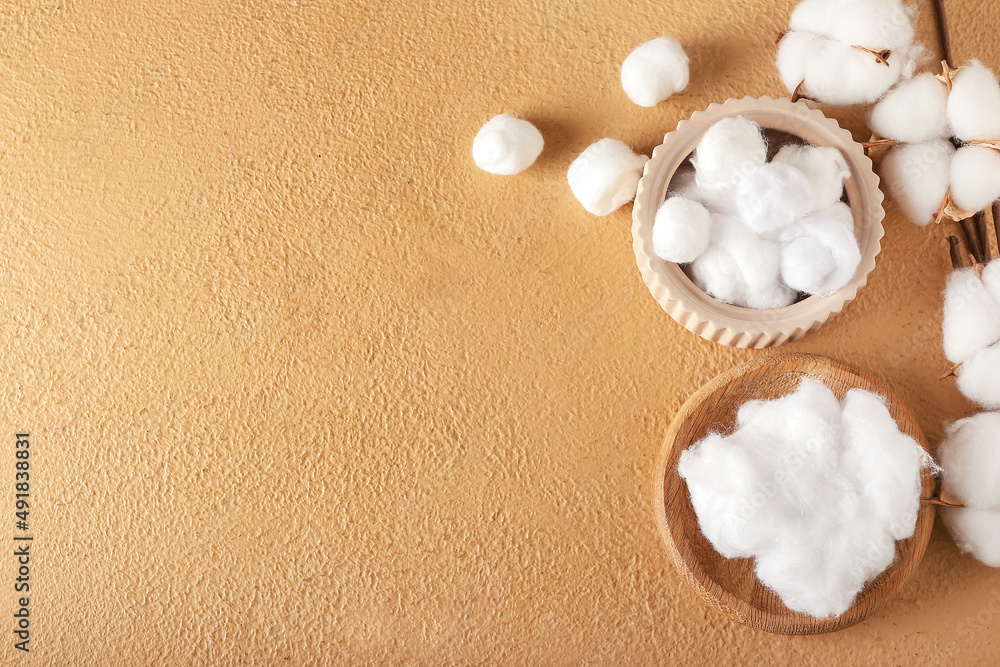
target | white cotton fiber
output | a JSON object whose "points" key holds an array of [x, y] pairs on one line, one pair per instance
{"points": [[823, 166], [816, 491], [975, 177], [728, 151], [971, 316], [991, 279], [715, 273], [979, 379], [506, 145], [840, 212], [654, 71], [772, 197], [605, 176], [681, 230], [819, 255], [974, 104], [873, 24], [976, 532], [757, 261], [833, 72], [915, 111], [918, 177], [970, 461]]}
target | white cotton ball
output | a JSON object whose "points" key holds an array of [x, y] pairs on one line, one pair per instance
{"points": [[975, 177], [773, 196], [823, 166], [717, 201], [976, 532], [918, 177], [804, 264], [971, 316], [974, 104], [839, 212], [970, 460], [874, 24], [654, 71], [832, 72], [728, 151], [979, 378], [757, 261], [915, 111], [506, 145], [681, 230], [715, 273], [605, 176]]}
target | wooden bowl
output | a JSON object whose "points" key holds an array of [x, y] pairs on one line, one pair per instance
{"points": [[721, 322], [730, 585]]}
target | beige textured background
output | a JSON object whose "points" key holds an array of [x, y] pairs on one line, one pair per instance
{"points": [[308, 388]]}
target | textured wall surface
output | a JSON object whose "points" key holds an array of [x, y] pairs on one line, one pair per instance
{"points": [[306, 387]]}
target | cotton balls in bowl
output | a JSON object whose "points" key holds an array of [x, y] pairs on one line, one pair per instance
{"points": [[776, 226]]}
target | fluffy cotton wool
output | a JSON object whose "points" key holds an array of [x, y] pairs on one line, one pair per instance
{"points": [[991, 279], [975, 177], [819, 254], [823, 166], [873, 24], [915, 111], [979, 379], [973, 104], [757, 261], [816, 491], [970, 460], [772, 197], [728, 151], [715, 273], [605, 176], [918, 176], [506, 145], [971, 316], [681, 230], [654, 71], [834, 72], [976, 532]]}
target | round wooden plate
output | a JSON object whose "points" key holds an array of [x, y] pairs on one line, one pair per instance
{"points": [[730, 585]]}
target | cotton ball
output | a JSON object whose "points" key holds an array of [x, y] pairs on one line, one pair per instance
{"points": [[976, 532], [506, 145], [918, 177], [681, 230], [654, 71], [728, 151], [915, 111], [819, 255], [772, 197], [715, 273], [717, 201], [605, 176], [823, 166], [833, 72], [979, 379], [974, 103], [758, 264], [874, 24], [975, 177], [970, 460], [971, 316], [839, 212]]}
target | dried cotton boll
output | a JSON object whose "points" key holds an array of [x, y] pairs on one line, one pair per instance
{"points": [[654, 71], [772, 197], [506, 145], [976, 532], [979, 379], [971, 316], [975, 177], [974, 104], [804, 265], [834, 72], [681, 230], [918, 177], [824, 167], [728, 151], [605, 176], [970, 460], [873, 24], [915, 111]]}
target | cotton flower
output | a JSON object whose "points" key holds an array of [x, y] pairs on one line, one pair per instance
{"points": [[972, 332], [923, 119], [847, 52]]}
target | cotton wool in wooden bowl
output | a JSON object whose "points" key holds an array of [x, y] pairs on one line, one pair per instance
{"points": [[783, 123]]}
